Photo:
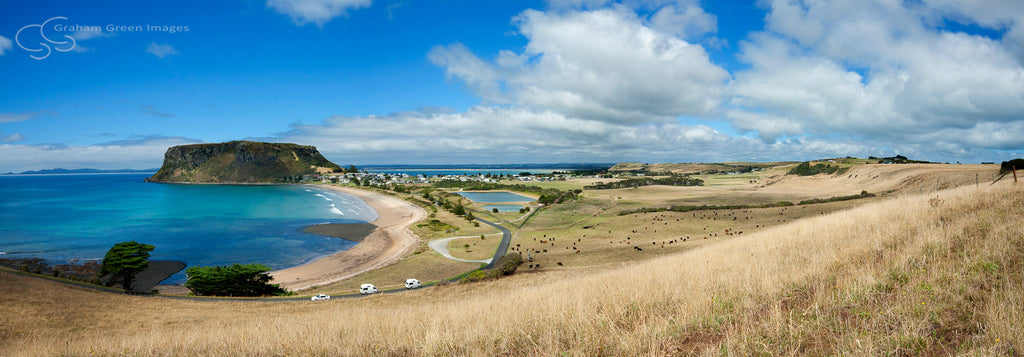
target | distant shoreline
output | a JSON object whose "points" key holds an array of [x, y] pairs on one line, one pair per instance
{"points": [[82, 174]]}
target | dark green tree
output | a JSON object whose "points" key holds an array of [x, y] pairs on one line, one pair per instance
{"points": [[232, 280], [124, 260]]}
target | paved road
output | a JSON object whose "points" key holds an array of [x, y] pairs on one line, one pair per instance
{"points": [[441, 247], [506, 238]]}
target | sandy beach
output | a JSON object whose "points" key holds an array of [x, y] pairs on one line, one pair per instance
{"points": [[387, 243]]}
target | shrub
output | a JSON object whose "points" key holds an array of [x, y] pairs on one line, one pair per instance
{"points": [[477, 275], [1015, 163], [507, 264], [806, 169]]}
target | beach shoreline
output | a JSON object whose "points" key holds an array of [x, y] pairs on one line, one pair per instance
{"points": [[388, 242]]}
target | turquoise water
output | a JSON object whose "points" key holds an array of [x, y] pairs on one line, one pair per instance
{"points": [[489, 197], [504, 208], [65, 217]]}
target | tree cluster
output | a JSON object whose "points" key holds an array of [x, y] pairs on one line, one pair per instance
{"points": [[674, 180], [232, 280]]}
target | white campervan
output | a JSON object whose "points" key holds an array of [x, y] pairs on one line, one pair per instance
{"points": [[367, 289], [412, 284]]}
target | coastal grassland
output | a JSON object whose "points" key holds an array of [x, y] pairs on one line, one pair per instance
{"points": [[593, 227], [931, 274], [478, 248]]}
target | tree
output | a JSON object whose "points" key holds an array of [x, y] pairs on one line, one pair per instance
{"points": [[232, 280], [124, 260]]}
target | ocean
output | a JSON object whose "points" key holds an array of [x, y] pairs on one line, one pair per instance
{"points": [[62, 218]]}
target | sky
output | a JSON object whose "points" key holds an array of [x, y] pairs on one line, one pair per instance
{"points": [[113, 84]]}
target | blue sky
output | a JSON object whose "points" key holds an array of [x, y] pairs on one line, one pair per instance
{"points": [[442, 82]]}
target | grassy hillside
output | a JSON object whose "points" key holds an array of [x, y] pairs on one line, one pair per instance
{"points": [[916, 275]]}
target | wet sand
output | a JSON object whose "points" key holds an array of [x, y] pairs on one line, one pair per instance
{"points": [[388, 240]]}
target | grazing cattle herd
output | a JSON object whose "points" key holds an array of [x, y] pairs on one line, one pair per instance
{"points": [[646, 233]]}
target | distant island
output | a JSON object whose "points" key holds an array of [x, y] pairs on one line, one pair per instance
{"points": [[241, 162], [60, 171]]}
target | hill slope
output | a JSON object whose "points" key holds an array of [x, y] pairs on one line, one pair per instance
{"points": [[240, 162], [930, 274]]}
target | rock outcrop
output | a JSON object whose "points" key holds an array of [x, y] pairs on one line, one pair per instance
{"points": [[241, 162]]}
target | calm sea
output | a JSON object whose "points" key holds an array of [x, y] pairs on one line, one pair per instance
{"points": [[66, 217]]}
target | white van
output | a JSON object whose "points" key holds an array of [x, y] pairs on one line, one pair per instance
{"points": [[412, 284], [367, 289]]}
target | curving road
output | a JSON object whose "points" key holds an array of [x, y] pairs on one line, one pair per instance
{"points": [[441, 247], [506, 238]]}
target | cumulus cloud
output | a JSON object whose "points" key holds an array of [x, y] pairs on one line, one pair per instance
{"points": [[317, 12], [519, 135], [873, 69], [603, 65], [140, 153], [160, 50], [685, 19], [5, 44]]}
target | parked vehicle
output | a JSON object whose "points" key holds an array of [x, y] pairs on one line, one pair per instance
{"points": [[412, 284], [367, 289], [321, 297]]}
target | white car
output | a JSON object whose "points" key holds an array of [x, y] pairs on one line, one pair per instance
{"points": [[367, 289], [321, 297], [412, 284]]}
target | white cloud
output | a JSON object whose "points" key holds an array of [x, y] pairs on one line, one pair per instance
{"points": [[480, 77], [603, 65], [317, 12], [878, 70], [12, 138], [686, 20], [160, 50], [518, 135], [5, 44], [16, 117], [142, 153]]}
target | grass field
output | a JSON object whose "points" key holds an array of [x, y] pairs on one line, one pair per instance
{"points": [[931, 274], [479, 249]]}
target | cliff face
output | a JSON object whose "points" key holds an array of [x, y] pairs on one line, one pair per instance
{"points": [[240, 162]]}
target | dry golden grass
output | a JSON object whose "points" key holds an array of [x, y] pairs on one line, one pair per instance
{"points": [[915, 275]]}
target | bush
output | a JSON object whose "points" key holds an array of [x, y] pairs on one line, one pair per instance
{"points": [[232, 280], [507, 264], [1015, 163], [806, 169], [477, 275]]}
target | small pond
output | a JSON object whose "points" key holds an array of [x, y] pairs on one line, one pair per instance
{"points": [[504, 208]]}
